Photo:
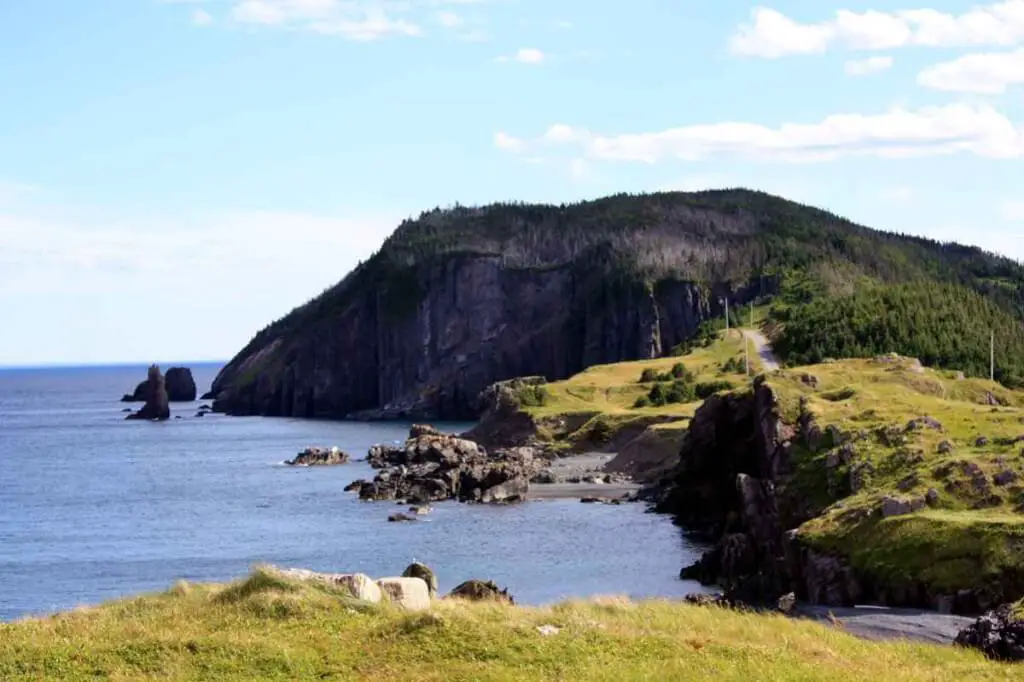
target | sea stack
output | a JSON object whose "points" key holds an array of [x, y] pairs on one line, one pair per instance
{"points": [[157, 406], [181, 387]]}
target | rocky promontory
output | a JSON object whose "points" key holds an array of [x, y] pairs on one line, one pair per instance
{"points": [[431, 466], [901, 506]]}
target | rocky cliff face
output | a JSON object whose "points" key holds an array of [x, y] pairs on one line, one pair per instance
{"points": [[468, 322]]}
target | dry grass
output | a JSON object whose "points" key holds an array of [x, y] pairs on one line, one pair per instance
{"points": [[268, 629]]}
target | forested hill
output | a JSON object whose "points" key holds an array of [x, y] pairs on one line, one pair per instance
{"points": [[461, 297]]}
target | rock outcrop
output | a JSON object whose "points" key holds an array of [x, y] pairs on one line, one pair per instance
{"points": [[998, 633], [319, 457], [432, 466], [180, 386], [156, 407], [481, 590]]}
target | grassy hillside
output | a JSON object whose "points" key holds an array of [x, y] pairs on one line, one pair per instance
{"points": [[591, 408], [266, 628], [910, 433]]}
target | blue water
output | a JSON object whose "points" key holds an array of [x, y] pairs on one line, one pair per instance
{"points": [[93, 507]]}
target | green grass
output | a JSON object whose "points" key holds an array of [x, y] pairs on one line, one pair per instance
{"points": [[266, 628], [973, 533], [592, 407]]}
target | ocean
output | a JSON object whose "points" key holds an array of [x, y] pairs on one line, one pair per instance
{"points": [[93, 507]]}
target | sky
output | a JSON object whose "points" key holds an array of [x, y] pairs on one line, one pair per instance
{"points": [[176, 174]]}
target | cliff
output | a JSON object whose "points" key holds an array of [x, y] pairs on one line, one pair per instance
{"points": [[461, 298], [857, 481]]}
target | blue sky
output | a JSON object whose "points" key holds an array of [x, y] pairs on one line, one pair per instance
{"points": [[175, 175]]}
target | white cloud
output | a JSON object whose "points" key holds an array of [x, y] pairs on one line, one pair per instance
{"points": [[360, 20], [986, 72], [862, 67], [771, 34], [57, 252], [507, 142], [202, 18], [450, 19], [898, 133], [524, 55], [106, 279]]}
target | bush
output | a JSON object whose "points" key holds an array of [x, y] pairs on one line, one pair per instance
{"points": [[680, 392], [679, 371], [657, 396], [735, 365], [707, 389], [649, 375], [533, 396], [641, 402]]}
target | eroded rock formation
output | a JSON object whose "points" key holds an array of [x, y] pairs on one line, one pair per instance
{"points": [[156, 407]]}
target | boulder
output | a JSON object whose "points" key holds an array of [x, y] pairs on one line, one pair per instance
{"points": [[424, 573], [895, 506], [786, 603], [922, 423], [156, 407], [999, 634], [358, 585], [412, 594], [481, 590], [181, 386], [418, 430], [401, 518], [1005, 477], [319, 457]]}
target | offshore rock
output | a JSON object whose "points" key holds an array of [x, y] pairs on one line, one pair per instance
{"points": [[156, 407]]}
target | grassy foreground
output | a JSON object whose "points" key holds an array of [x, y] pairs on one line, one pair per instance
{"points": [[268, 628]]}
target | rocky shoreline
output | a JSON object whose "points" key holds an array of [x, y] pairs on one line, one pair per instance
{"points": [[432, 466], [728, 487]]}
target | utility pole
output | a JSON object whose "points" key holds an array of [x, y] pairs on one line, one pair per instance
{"points": [[746, 352], [746, 341]]}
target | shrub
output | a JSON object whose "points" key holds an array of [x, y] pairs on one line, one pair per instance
{"points": [[649, 375], [533, 396], [657, 396], [680, 392], [641, 402], [734, 365], [709, 388], [679, 371]]}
